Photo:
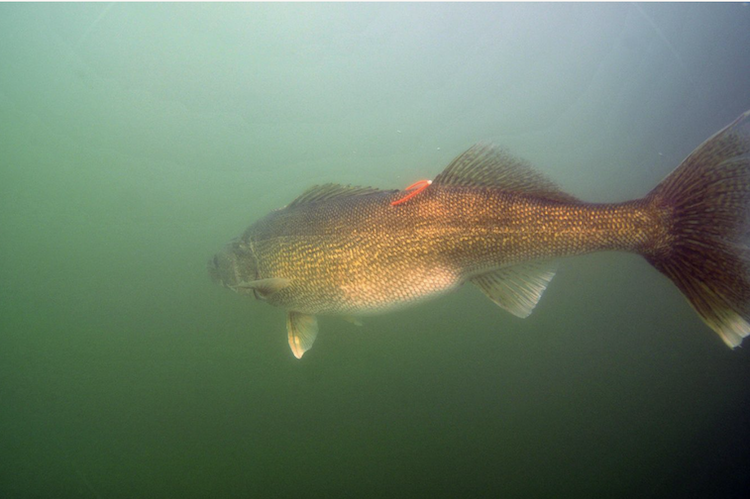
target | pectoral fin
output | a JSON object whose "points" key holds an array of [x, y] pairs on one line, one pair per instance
{"points": [[518, 288], [265, 287], [302, 330]]}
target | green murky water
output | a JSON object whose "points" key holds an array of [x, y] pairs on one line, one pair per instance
{"points": [[135, 140]]}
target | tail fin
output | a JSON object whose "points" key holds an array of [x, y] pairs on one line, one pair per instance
{"points": [[709, 255]]}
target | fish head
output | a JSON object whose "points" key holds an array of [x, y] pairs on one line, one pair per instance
{"points": [[235, 265]]}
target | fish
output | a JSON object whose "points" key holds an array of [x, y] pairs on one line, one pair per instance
{"points": [[492, 220]]}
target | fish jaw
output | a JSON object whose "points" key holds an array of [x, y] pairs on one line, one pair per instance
{"points": [[233, 267]]}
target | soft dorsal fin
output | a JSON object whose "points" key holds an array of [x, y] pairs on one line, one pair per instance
{"points": [[485, 165], [518, 288], [327, 192]]}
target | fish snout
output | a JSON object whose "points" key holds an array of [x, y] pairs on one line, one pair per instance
{"points": [[221, 270], [213, 269], [235, 265]]}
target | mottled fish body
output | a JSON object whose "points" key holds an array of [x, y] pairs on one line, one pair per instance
{"points": [[491, 220]]}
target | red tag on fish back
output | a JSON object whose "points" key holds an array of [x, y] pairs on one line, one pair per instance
{"points": [[417, 187]]}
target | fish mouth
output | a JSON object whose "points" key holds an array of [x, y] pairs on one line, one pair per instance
{"points": [[231, 267], [213, 270], [222, 270]]}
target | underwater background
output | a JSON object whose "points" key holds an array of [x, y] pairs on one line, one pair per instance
{"points": [[137, 139]]}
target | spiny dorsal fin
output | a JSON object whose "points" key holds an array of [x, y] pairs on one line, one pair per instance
{"points": [[485, 165], [518, 288], [327, 192], [302, 330]]}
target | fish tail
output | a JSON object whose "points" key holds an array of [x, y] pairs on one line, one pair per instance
{"points": [[705, 250]]}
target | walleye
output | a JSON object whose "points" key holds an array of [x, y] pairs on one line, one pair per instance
{"points": [[491, 220]]}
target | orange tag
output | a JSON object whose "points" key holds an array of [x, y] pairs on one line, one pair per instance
{"points": [[417, 187]]}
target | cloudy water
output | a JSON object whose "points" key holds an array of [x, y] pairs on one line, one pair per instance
{"points": [[137, 139]]}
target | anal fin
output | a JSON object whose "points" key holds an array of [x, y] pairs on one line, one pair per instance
{"points": [[302, 330], [518, 288]]}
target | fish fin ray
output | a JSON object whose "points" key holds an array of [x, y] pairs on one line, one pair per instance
{"points": [[328, 192], [302, 330], [486, 165], [265, 287], [518, 288], [708, 259]]}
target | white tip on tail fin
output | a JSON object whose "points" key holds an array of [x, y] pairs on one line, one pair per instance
{"points": [[708, 257]]}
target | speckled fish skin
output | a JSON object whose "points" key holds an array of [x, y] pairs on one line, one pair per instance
{"points": [[360, 254], [491, 220]]}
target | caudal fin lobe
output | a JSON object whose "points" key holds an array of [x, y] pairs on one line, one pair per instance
{"points": [[708, 252]]}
